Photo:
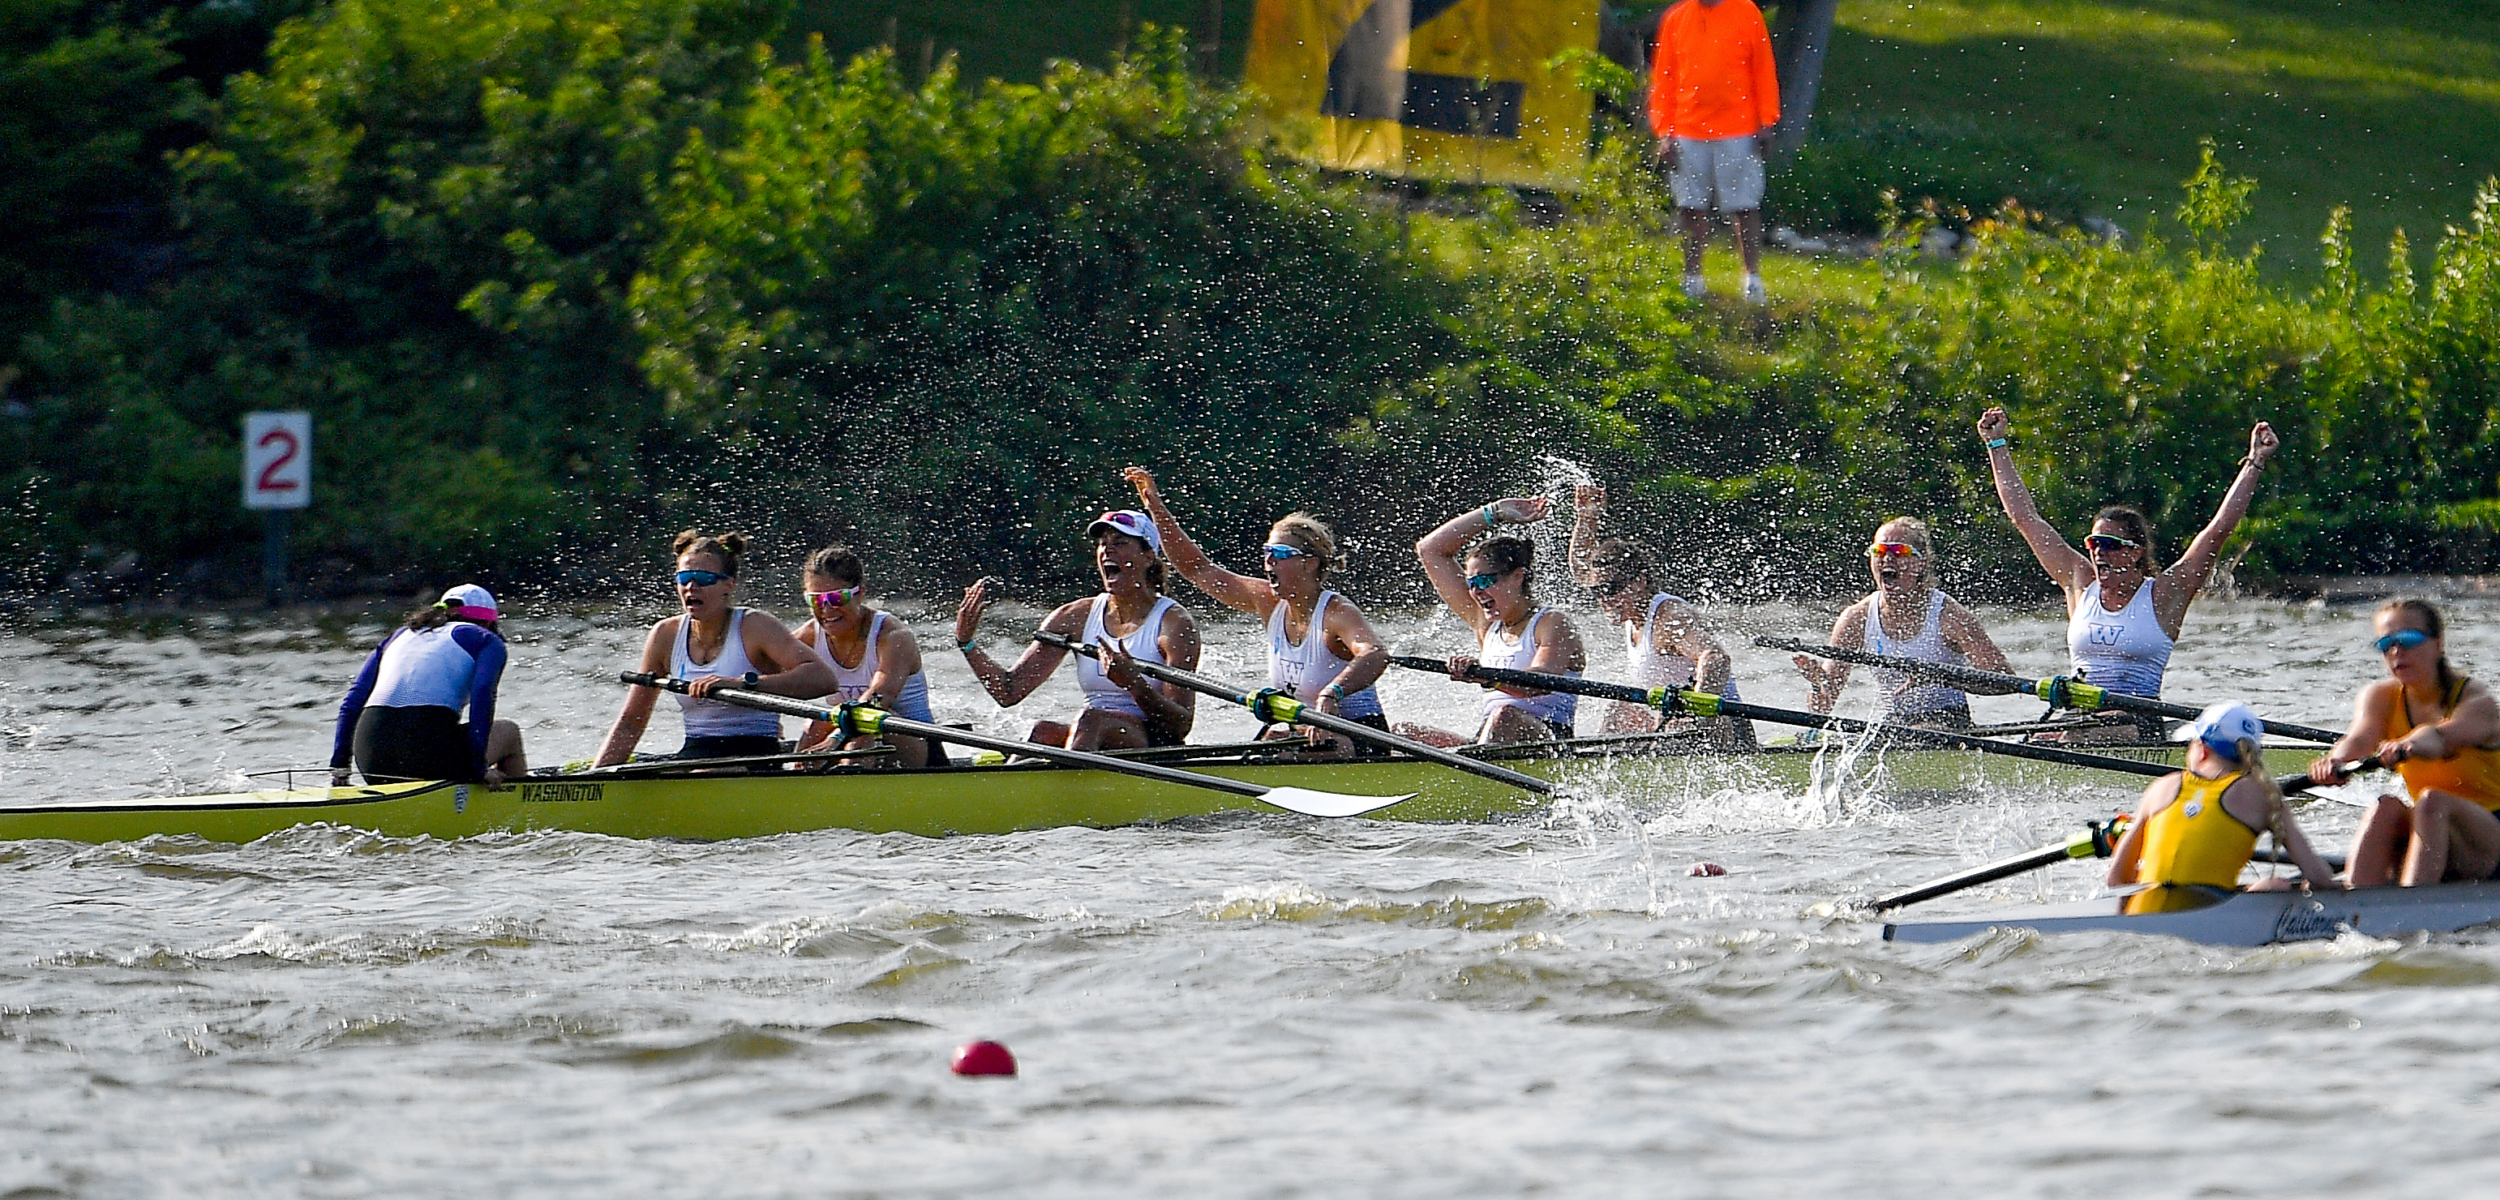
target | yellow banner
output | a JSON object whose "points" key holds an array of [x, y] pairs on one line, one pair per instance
{"points": [[1443, 89]]}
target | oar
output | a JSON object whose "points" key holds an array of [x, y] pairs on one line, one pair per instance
{"points": [[1275, 707], [1673, 702], [2057, 689], [2096, 841], [859, 719]]}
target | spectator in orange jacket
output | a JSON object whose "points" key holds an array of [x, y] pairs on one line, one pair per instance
{"points": [[1713, 97]]}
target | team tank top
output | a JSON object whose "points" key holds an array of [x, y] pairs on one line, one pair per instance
{"points": [[851, 683], [711, 718], [2194, 842], [2124, 651], [2473, 773], [1494, 650], [1653, 668], [1903, 699], [1301, 671], [1141, 645]]}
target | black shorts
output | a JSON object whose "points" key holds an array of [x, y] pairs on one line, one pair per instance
{"points": [[421, 742], [753, 745]]}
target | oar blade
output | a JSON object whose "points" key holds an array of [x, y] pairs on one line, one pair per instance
{"points": [[1313, 803]]}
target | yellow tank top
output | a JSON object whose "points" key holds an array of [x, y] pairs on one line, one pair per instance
{"points": [[2472, 773], [2193, 842]]}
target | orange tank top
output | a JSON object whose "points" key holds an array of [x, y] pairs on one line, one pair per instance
{"points": [[2473, 773]]}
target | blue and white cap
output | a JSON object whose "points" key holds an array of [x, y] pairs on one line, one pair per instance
{"points": [[2222, 727], [1133, 523]]}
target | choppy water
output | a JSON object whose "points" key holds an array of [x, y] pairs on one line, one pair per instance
{"points": [[1248, 1006]]}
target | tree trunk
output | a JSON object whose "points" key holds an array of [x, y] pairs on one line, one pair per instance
{"points": [[1799, 44]]}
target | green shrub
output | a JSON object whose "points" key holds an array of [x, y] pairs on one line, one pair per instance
{"points": [[1855, 170]]}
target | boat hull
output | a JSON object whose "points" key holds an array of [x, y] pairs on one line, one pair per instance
{"points": [[1006, 798], [2247, 918]]}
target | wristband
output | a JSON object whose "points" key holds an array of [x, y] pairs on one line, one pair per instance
{"points": [[1488, 516], [968, 645], [1996, 443], [1334, 689]]}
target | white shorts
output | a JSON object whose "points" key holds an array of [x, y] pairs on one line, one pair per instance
{"points": [[1729, 169]]}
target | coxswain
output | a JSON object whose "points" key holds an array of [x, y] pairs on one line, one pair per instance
{"points": [[2195, 829], [874, 657], [2123, 612], [1906, 616], [1665, 642], [1320, 649], [1129, 621], [1490, 591], [401, 718], [2441, 731], [712, 644]]}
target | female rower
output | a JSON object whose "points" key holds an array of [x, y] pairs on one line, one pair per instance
{"points": [[1319, 647], [1663, 636], [2123, 615], [2441, 732], [714, 644], [1130, 621], [401, 717], [1490, 592], [1906, 616], [875, 660], [2195, 829]]}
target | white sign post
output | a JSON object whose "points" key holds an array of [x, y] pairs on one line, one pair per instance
{"points": [[277, 480]]}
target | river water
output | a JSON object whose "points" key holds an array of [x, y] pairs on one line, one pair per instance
{"points": [[1245, 1006]]}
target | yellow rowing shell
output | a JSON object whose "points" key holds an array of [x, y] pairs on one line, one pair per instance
{"points": [[1008, 798]]}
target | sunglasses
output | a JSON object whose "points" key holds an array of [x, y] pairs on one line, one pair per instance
{"points": [[1613, 587], [840, 598], [1884, 550], [1478, 583], [1279, 552], [2406, 638], [701, 578], [2110, 541]]}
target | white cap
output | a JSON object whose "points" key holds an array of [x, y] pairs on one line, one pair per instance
{"points": [[2223, 727], [470, 602], [1133, 523]]}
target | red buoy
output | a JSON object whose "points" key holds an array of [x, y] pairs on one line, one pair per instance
{"points": [[983, 1058], [1705, 870]]}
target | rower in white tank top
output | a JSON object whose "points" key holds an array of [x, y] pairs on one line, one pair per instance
{"points": [[1556, 709], [1655, 668], [2124, 651], [913, 704], [711, 718], [1142, 644], [1900, 699], [1301, 671]]}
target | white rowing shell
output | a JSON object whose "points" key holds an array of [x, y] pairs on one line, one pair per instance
{"points": [[2246, 919]]}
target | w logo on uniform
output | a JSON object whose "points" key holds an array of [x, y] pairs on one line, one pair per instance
{"points": [[2106, 635]]}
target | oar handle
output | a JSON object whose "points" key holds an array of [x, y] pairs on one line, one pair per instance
{"points": [[1275, 707], [2057, 689], [1540, 681]]}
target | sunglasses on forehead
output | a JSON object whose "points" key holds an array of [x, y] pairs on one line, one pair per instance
{"points": [[2405, 638], [2110, 541]]}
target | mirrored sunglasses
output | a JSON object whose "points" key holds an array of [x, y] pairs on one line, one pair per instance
{"points": [[2110, 541], [1883, 550], [2406, 638], [1478, 583], [839, 598], [700, 578], [1279, 551]]}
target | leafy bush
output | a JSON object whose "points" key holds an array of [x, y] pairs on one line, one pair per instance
{"points": [[1840, 179]]}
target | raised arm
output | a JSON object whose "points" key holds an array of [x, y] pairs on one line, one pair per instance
{"points": [[1962, 631], [1588, 504], [2186, 577], [1241, 593], [1439, 550], [2065, 564], [1008, 686], [636, 713]]}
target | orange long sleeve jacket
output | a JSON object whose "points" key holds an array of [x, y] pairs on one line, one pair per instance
{"points": [[1711, 74]]}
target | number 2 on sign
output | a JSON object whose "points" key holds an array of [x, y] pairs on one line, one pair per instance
{"points": [[270, 480]]}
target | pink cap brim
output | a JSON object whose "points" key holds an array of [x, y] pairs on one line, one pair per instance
{"points": [[471, 612]]}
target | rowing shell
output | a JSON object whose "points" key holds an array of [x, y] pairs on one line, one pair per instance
{"points": [[1008, 798], [2246, 918]]}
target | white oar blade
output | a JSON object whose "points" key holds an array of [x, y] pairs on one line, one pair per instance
{"points": [[1329, 804]]}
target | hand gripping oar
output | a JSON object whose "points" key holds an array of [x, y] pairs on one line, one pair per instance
{"points": [[1675, 703], [1275, 707], [2097, 840], [859, 719], [2057, 689]]}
